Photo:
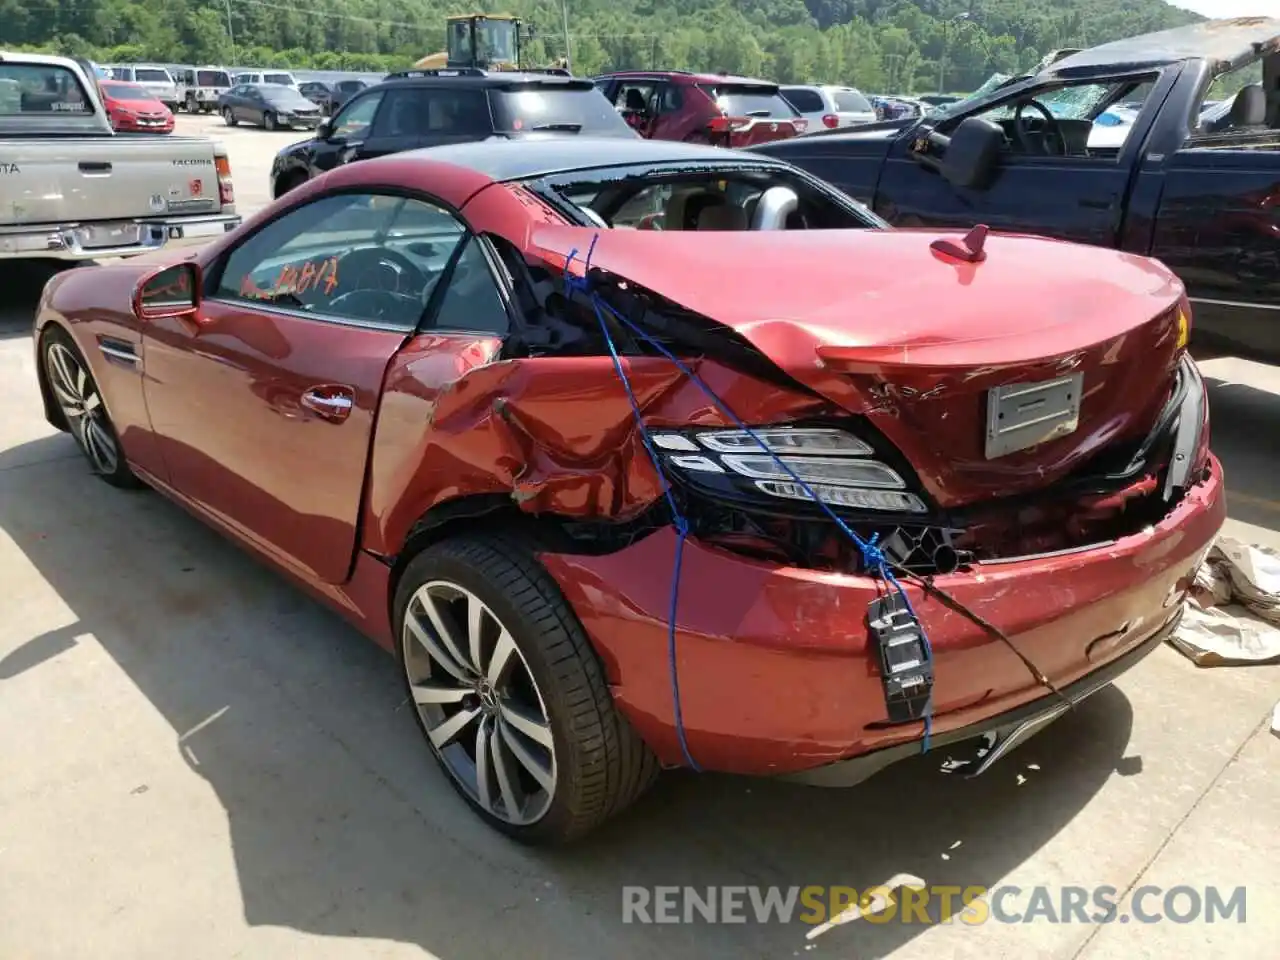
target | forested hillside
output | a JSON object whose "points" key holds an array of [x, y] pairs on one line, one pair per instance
{"points": [[899, 45]]}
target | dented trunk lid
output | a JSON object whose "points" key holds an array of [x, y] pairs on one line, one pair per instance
{"points": [[992, 378]]}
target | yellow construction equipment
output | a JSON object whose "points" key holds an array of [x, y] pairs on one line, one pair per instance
{"points": [[485, 41]]}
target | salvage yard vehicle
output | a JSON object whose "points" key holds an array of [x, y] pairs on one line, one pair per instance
{"points": [[271, 106], [154, 78], [702, 108], [75, 191], [202, 86], [428, 108], [1165, 181], [401, 385], [133, 109]]}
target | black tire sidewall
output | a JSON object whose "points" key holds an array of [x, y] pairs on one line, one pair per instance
{"points": [[444, 562], [122, 476]]}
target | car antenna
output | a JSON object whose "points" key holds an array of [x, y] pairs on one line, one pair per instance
{"points": [[971, 249]]}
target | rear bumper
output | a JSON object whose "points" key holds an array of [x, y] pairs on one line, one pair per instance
{"points": [[67, 241], [776, 673]]}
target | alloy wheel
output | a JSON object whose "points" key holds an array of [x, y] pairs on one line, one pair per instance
{"points": [[479, 703], [82, 406]]}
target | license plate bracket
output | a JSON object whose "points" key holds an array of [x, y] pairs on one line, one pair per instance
{"points": [[96, 236], [1023, 415]]}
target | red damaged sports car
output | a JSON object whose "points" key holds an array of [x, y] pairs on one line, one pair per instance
{"points": [[929, 490]]}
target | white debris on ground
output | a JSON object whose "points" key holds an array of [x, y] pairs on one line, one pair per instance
{"points": [[1232, 614]]}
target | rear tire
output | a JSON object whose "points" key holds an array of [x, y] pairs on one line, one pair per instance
{"points": [[229, 118], [192, 105], [569, 760]]}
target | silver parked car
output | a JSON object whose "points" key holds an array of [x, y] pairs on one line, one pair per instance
{"points": [[826, 106]]}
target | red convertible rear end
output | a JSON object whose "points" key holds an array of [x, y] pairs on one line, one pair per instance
{"points": [[802, 496]]}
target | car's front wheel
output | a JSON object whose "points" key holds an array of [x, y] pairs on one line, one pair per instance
{"points": [[510, 695], [269, 121], [78, 397], [228, 117]]}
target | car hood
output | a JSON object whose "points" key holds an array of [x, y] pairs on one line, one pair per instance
{"points": [[881, 324]]}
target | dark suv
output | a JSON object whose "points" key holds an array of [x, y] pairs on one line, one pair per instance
{"points": [[702, 107], [428, 108]]}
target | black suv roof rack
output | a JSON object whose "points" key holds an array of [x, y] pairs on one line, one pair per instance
{"points": [[442, 72]]}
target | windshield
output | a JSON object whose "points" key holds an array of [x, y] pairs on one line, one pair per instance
{"points": [[1066, 103], [496, 41], [127, 91], [674, 198], [557, 109], [212, 78], [747, 101], [281, 78], [151, 75], [28, 89], [278, 93]]}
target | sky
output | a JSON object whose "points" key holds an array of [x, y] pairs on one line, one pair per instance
{"points": [[1231, 8]]}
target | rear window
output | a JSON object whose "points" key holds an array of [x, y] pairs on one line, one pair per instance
{"points": [[743, 101], [851, 101], [562, 109], [277, 78], [27, 89], [151, 75], [213, 78], [806, 101]]}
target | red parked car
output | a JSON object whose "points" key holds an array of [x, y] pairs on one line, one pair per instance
{"points": [[133, 110], [702, 108], [391, 385]]}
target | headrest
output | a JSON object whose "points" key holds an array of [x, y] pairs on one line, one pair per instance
{"points": [[635, 99], [1249, 109], [726, 217]]}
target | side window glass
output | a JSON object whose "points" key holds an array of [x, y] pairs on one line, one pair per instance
{"points": [[356, 117], [672, 99], [406, 114], [473, 301], [363, 257]]}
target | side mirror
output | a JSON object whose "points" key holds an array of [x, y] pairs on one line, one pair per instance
{"points": [[325, 130], [168, 292], [972, 153]]}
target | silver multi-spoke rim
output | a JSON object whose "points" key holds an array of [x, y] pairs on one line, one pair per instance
{"points": [[479, 703], [82, 406]]}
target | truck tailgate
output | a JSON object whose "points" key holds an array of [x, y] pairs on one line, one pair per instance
{"points": [[82, 179]]}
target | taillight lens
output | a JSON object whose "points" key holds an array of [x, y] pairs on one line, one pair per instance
{"points": [[830, 121], [226, 192], [790, 463], [727, 124]]}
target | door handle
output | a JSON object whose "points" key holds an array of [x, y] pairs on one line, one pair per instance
{"points": [[332, 402]]}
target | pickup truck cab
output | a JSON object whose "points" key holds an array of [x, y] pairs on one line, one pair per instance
{"points": [[73, 190], [1044, 154]]}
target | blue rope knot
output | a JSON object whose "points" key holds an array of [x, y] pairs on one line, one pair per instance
{"points": [[874, 559]]}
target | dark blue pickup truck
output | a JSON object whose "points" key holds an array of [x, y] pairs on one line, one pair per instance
{"points": [[1105, 146]]}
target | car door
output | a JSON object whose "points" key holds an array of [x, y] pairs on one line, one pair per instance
{"points": [[1079, 198], [413, 117], [264, 407], [349, 130]]}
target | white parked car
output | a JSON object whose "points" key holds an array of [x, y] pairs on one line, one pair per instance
{"points": [[827, 106], [282, 77]]}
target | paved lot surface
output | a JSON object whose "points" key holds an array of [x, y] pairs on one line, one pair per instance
{"points": [[197, 761]]}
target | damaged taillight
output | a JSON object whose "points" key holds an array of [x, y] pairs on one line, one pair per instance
{"points": [[794, 464]]}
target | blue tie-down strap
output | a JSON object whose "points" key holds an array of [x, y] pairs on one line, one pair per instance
{"points": [[904, 647]]}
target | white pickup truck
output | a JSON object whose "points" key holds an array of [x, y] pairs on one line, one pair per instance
{"points": [[72, 189]]}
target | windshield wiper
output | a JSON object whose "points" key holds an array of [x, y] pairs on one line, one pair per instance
{"points": [[759, 113], [566, 127]]}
